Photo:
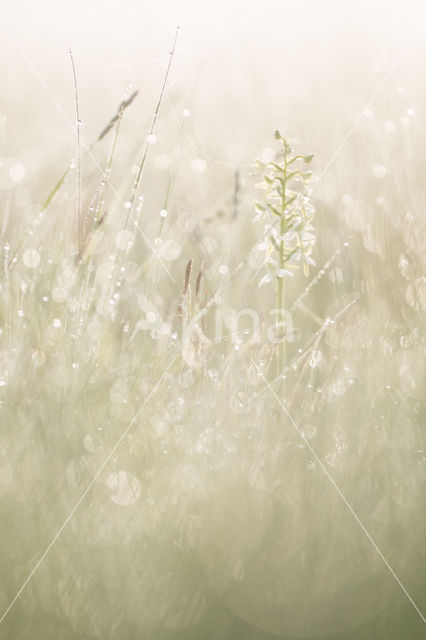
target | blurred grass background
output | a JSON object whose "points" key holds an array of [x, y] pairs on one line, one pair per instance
{"points": [[212, 519]]}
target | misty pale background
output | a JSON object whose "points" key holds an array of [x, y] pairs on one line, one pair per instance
{"points": [[212, 519]]}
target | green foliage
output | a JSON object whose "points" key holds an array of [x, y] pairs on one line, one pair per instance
{"points": [[288, 212], [286, 197]]}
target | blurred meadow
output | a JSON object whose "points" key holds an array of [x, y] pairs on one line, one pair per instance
{"points": [[167, 470]]}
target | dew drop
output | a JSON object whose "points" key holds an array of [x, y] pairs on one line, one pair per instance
{"points": [[170, 250], [186, 379], [125, 488], [199, 165], [131, 271], [89, 443], [315, 359], [17, 172], [239, 402], [338, 387], [379, 171], [38, 358], [404, 266], [31, 258], [125, 239], [187, 222]]}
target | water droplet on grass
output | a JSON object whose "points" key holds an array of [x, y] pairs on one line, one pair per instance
{"points": [[31, 258], [186, 379], [239, 402], [199, 165], [379, 171], [89, 443], [390, 125], [315, 359], [38, 358], [125, 488], [170, 250], [17, 172], [125, 239]]}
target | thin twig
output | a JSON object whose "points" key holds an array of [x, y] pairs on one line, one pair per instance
{"points": [[123, 105], [152, 128], [77, 112]]}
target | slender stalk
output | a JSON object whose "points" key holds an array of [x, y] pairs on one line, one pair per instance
{"points": [[107, 171], [78, 203], [281, 356], [151, 130], [294, 240], [62, 179], [236, 192], [54, 191]]}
